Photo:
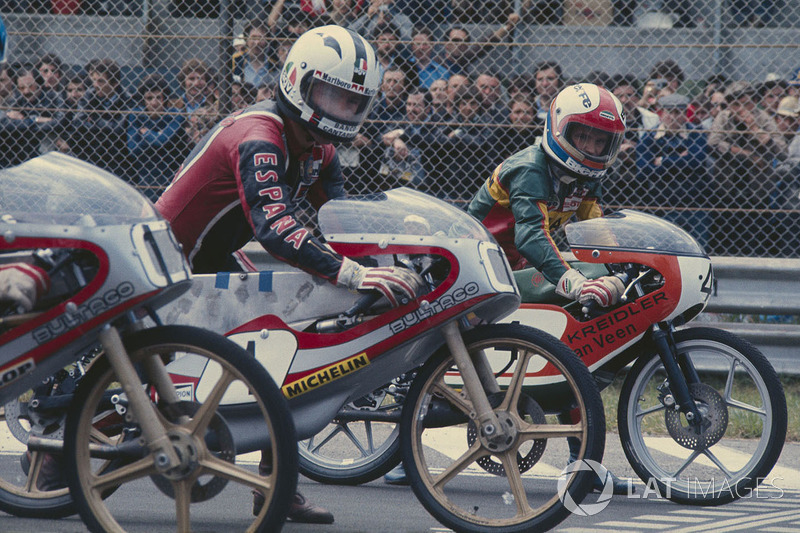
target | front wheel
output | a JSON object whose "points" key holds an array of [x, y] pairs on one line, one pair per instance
{"points": [[447, 460], [742, 402], [114, 477]]}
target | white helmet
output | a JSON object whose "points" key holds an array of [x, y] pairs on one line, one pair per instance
{"points": [[329, 82], [599, 113]]}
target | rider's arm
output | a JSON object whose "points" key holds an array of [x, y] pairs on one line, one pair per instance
{"points": [[528, 192], [270, 208]]}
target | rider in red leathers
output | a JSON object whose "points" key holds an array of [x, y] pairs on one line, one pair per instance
{"points": [[247, 176]]}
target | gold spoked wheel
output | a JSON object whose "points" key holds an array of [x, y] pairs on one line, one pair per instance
{"points": [[231, 411], [473, 483]]}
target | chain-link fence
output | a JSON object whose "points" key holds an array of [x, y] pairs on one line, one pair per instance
{"points": [[131, 85]]}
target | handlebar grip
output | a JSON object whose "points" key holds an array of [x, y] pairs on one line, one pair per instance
{"points": [[363, 304]]}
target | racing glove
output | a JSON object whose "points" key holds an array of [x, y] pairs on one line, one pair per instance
{"points": [[23, 284], [605, 290], [389, 281]]}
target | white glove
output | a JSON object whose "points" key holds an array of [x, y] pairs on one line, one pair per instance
{"points": [[389, 281], [605, 291], [23, 284]]}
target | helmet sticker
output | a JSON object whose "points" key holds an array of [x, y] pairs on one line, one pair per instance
{"points": [[607, 115]]}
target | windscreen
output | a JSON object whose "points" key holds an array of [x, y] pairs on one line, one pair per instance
{"points": [[634, 231], [59, 189], [398, 212]]}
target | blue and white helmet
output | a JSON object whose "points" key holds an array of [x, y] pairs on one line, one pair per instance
{"points": [[329, 82], [596, 110], [3, 40]]}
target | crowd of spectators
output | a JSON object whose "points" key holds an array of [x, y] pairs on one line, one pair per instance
{"points": [[442, 121]]}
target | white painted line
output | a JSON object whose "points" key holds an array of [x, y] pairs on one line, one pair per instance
{"points": [[781, 476], [698, 517], [637, 525]]}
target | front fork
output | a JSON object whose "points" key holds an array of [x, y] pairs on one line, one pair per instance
{"points": [[139, 402], [476, 374], [680, 373]]}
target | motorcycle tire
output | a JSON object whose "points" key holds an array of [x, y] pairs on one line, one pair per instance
{"points": [[714, 467], [351, 451], [445, 469], [203, 439]]}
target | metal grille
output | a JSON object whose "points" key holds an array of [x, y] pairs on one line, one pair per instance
{"points": [[172, 68]]}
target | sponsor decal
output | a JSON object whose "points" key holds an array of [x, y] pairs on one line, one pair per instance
{"points": [[607, 115], [437, 306], [185, 391], [90, 309], [11, 374], [324, 76], [325, 375], [613, 329], [585, 100]]}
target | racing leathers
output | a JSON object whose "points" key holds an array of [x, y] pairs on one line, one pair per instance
{"points": [[242, 181], [524, 200]]}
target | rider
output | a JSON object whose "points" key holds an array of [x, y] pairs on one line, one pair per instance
{"points": [[23, 284], [248, 175], [541, 187]]}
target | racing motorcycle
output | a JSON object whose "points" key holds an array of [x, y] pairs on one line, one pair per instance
{"points": [[328, 348], [687, 390], [113, 262]]}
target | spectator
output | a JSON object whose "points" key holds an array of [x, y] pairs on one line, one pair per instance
{"points": [[196, 81], [547, 82], [255, 64], [8, 88], [239, 45], [794, 83], [717, 103], [715, 83], [522, 84], [100, 125], [459, 52], [243, 95], [786, 118], [406, 160], [290, 20], [35, 116], [669, 71], [382, 13], [51, 68], [266, 91], [744, 140], [454, 83], [624, 186], [770, 94], [391, 54], [471, 137], [599, 78], [493, 98], [75, 88], [440, 101], [427, 69], [153, 138], [674, 158], [340, 12], [754, 13], [523, 128], [197, 124]]}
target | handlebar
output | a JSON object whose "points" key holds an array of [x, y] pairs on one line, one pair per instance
{"points": [[363, 304]]}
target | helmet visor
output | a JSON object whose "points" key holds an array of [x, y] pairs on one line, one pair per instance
{"points": [[593, 144], [330, 99]]}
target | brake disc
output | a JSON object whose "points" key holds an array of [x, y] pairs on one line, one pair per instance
{"points": [[527, 407], [715, 417]]}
